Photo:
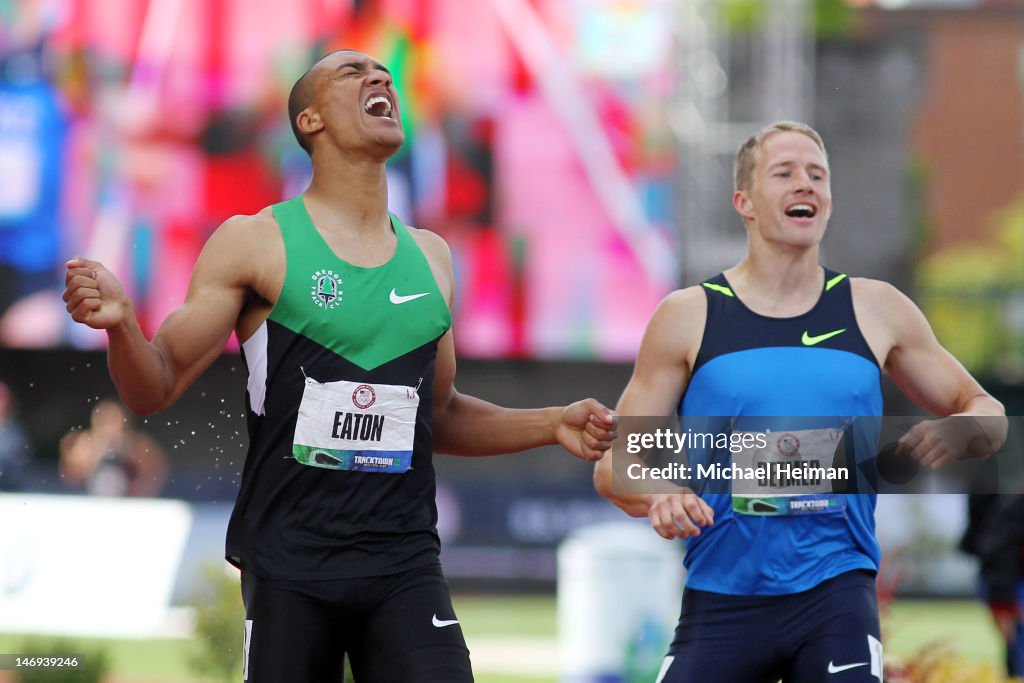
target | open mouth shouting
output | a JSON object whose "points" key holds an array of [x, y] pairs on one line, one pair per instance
{"points": [[379, 106]]}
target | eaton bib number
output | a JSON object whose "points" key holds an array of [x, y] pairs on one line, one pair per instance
{"points": [[356, 426]]}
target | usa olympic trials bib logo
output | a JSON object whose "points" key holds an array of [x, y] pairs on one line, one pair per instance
{"points": [[364, 396], [788, 444], [326, 290]]}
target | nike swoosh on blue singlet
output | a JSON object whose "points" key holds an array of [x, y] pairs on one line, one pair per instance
{"points": [[755, 366]]}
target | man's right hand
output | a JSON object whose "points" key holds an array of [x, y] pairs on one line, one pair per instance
{"points": [[93, 295], [679, 515]]}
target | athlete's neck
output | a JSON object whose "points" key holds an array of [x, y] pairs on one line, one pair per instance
{"points": [[349, 197], [774, 285]]}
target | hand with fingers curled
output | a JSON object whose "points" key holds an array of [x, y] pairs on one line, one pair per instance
{"points": [[679, 515], [587, 429], [93, 296], [936, 443]]}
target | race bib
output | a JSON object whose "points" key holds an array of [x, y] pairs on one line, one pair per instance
{"points": [[790, 473], [356, 426]]}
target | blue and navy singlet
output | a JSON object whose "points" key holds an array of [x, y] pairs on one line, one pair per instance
{"points": [[816, 365]]}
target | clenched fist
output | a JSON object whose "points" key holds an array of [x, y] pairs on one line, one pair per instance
{"points": [[93, 296]]}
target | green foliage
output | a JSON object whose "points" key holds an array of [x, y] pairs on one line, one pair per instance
{"points": [[742, 16], [833, 19], [219, 629], [830, 18], [968, 293], [95, 663], [918, 178]]}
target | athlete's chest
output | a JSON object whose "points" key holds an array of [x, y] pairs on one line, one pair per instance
{"points": [[339, 298], [785, 380], [816, 363], [369, 316]]}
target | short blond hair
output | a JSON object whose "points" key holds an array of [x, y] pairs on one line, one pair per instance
{"points": [[746, 155]]}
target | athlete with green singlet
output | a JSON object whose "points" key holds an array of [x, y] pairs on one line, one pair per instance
{"points": [[344, 318]]}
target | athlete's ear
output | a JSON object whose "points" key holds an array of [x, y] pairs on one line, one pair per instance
{"points": [[741, 202], [309, 121]]}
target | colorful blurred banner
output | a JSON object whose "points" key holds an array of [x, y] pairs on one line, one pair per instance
{"points": [[541, 157]]}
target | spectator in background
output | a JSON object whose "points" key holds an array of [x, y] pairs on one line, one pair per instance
{"points": [[995, 535], [112, 458], [15, 450]]}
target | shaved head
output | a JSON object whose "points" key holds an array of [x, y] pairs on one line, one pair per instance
{"points": [[302, 95]]}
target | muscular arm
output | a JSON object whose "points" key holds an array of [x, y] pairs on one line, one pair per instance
{"points": [[151, 375], [466, 425], [659, 379], [919, 365]]}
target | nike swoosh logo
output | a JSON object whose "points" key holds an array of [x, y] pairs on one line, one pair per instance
{"points": [[399, 299], [833, 669], [808, 340], [438, 623]]}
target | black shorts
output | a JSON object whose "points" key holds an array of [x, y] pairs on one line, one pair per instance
{"points": [[399, 628], [828, 633]]}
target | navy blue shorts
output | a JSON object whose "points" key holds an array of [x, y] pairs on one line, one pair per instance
{"points": [[829, 633], [395, 629]]}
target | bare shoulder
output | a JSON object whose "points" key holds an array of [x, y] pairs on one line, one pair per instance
{"points": [[432, 244], [439, 256], [888, 318], [881, 298], [667, 354], [678, 324], [687, 301], [246, 250], [248, 228], [681, 310], [873, 289]]}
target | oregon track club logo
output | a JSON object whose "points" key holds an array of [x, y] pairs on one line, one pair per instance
{"points": [[788, 444], [326, 290], [364, 396]]}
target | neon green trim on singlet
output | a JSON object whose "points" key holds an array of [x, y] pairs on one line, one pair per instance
{"points": [[719, 288], [834, 281], [369, 316]]}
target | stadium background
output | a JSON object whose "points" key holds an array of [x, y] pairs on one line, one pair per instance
{"points": [[576, 154]]}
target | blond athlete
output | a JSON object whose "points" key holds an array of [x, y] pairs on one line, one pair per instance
{"points": [[783, 587]]}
